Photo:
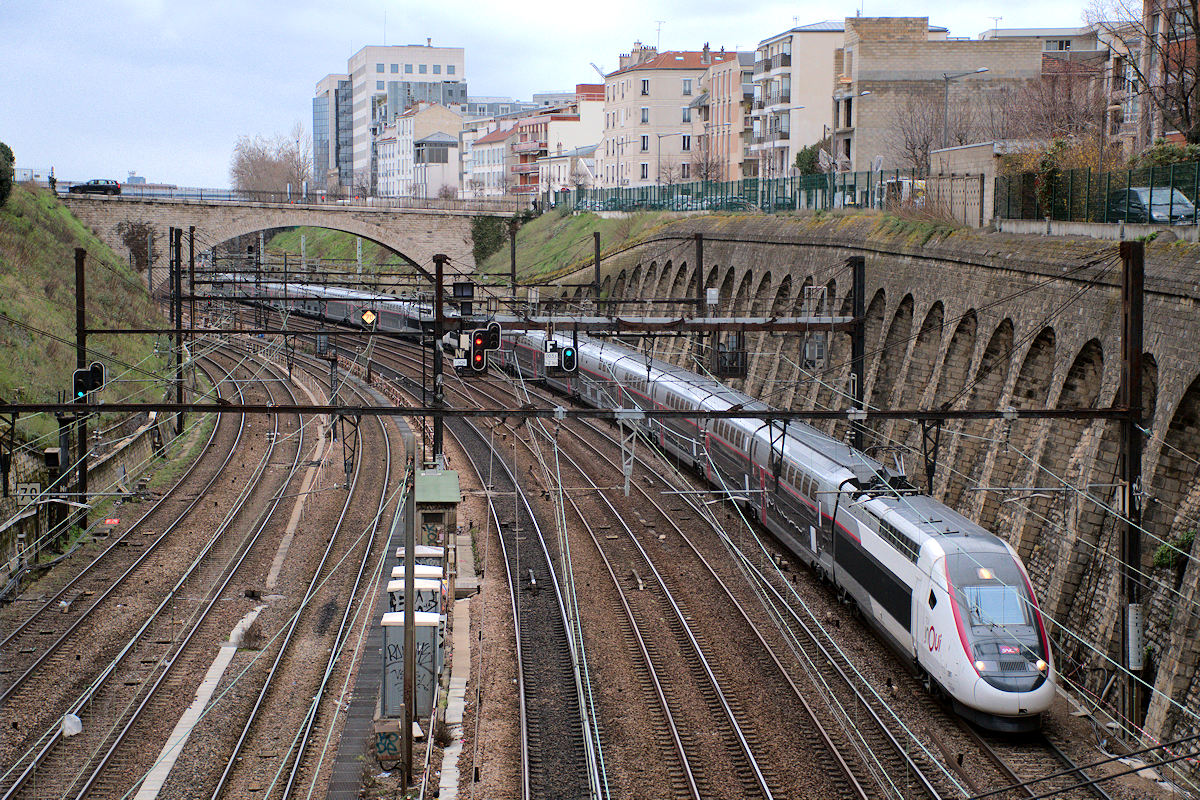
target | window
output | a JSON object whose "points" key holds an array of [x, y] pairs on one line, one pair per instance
{"points": [[685, 171], [645, 87], [687, 143], [379, 67], [437, 69], [449, 69], [687, 114], [645, 171], [394, 68], [1058, 44], [687, 86], [645, 115], [408, 69], [645, 144], [379, 85], [422, 68], [906, 546]]}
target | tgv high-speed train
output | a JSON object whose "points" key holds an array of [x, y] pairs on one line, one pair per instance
{"points": [[949, 595]]}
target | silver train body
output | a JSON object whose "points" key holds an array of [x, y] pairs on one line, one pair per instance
{"points": [[952, 598]]}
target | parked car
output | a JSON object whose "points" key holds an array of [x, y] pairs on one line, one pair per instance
{"points": [[1164, 205], [96, 186]]}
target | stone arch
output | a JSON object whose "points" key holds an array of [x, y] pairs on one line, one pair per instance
{"points": [[635, 280], [1175, 485], [761, 295], [725, 294], [1032, 386], [665, 280], [619, 289], [957, 363], [783, 297], [891, 356], [1043, 535], [741, 300], [990, 377], [920, 367], [605, 285], [830, 296], [651, 281], [837, 371], [679, 284], [1090, 579]]}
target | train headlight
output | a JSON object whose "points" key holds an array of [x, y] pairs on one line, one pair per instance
{"points": [[980, 666], [1041, 665]]}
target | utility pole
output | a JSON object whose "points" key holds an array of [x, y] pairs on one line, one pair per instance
{"points": [[177, 277], [1132, 284], [700, 307], [439, 326], [596, 265], [81, 428], [858, 344], [410, 617], [512, 259]]}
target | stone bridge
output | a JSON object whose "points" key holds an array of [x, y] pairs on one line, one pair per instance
{"points": [[986, 321], [415, 234]]}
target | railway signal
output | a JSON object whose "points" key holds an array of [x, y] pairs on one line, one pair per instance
{"points": [[368, 317], [479, 342], [493, 336], [86, 380], [568, 358]]}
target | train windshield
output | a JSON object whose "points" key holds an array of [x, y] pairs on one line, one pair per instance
{"points": [[991, 589], [996, 605]]}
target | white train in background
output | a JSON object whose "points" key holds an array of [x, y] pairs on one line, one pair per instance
{"points": [[953, 598]]}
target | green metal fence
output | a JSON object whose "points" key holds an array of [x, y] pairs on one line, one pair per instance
{"points": [[1163, 195], [802, 192]]}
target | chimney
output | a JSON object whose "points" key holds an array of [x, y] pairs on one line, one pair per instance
{"points": [[705, 57], [429, 41]]}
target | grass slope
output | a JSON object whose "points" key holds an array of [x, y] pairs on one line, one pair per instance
{"points": [[330, 245], [38, 237], [559, 242]]}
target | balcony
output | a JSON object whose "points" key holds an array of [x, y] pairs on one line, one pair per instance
{"points": [[525, 169], [762, 66], [779, 99], [528, 147], [759, 104]]}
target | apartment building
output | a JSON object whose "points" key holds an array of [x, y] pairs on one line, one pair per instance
{"points": [[893, 76], [792, 73], [417, 137], [721, 127], [577, 124], [492, 160], [648, 115], [568, 170], [380, 82]]}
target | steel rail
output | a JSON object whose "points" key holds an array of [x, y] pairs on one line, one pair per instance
{"points": [[229, 572], [314, 585], [52, 601]]}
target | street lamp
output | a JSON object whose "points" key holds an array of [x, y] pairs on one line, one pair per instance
{"points": [[946, 108]]}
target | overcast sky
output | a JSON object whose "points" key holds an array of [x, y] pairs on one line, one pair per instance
{"points": [[97, 88]]}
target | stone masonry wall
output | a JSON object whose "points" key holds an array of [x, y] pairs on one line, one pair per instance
{"points": [[978, 320]]}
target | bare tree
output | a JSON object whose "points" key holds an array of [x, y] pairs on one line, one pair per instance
{"points": [[580, 179], [447, 192], [260, 164], [707, 165], [669, 172], [1160, 61], [918, 127]]}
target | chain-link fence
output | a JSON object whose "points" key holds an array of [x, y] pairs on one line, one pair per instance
{"points": [[1164, 195]]}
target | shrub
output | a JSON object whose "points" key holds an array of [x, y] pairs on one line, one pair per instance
{"points": [[1163, 153], [6, 172], [487, 237]]}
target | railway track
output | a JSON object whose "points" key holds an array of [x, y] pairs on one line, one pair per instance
{"points": [[308, 633], [140, 686], [23, 649]]}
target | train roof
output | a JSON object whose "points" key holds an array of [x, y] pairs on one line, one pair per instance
{"points": [[930, 516]]}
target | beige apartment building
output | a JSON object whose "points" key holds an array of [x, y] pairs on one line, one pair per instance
{"points": [[910, 73], [648, 136], [792, 73], [722, 131]]}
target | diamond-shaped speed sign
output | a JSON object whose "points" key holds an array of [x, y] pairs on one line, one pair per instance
{"points": [[368, 317]]}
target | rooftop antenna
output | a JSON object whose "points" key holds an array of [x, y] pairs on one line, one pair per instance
{"points": [[658, 38], [995, 25]]}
